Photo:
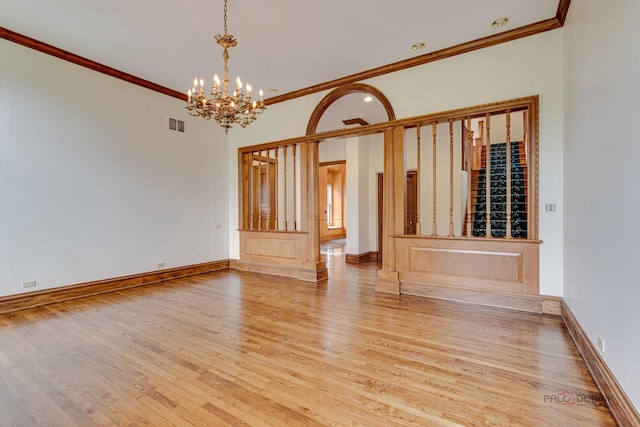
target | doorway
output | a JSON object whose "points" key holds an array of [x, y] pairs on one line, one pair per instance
{"points": [[411, 208], [331, 200]]}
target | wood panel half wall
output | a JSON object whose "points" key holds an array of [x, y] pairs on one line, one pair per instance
{"points": [[494, 272], [49, 296], [281, 253]]}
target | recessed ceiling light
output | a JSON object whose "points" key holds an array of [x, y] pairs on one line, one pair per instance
{"points": [[500, 22], [272, 90], [418, 46], [368, 99]]}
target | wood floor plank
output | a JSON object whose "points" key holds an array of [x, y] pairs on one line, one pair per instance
{"points": [[233, 348]]}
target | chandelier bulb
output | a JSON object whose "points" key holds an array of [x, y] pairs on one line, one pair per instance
{"points": [[195, 82]]}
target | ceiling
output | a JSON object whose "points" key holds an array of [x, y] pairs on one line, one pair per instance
{"points": [[286, 45]]}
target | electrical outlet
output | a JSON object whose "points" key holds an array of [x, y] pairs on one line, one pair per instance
{"points": [[601, 344], [28, 284], [160, 265]]}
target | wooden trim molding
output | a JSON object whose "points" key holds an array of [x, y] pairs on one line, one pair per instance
{"points": [[360, 258], [538, 304], [507, 36], [333, 96], [87, 63], [621, 407], [563, 9], [50, 296]]}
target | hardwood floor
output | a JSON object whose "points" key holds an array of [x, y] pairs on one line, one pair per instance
{"points": [[231, 348]]}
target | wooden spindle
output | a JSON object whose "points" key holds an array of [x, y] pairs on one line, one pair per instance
{"points": [[286, 223], [295, 223], [450, 177], [488, 178], [268, 190], [508, 173], [469, 144], [434, 226], [418, 224], [277, 223], [260, 190], [251, 191]]}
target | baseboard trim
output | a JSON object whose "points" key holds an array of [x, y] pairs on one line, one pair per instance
{"points": [[27, 300], [313, 272], [540, 304], [360, 258], [621, 407]]}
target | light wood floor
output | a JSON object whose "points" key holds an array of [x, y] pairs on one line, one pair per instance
{"points": [[231, 348]]}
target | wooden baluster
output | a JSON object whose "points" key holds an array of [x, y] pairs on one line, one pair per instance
{"points": [[277, 224], [450, 177], [508, 173], [295, 223], [286, 223], [260, 190], [488, 178], [251, 191], [434, 226], [268, 190], [469, 144], [418, 224]]}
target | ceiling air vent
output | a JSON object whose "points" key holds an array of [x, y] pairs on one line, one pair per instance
{"points": [[177, 125]]}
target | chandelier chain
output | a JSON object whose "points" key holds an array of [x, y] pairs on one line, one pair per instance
{"points": [[225, 17]]}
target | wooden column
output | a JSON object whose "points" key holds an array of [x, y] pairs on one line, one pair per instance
{"points": [[309, 169], [450, 177], [394, 188], [434, 225], [508, 173], [488, 178]]}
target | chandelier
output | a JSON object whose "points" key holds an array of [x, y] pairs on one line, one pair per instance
{"points": [[237, 108]]}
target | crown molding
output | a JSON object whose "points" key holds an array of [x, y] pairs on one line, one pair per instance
{"points": [[507, 36], [31, 43]]}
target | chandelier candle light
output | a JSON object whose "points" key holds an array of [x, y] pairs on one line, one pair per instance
{"points": [[238, 108]]}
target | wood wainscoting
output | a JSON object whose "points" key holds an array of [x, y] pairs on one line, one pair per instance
{"points": [[494, 272], [26, 300], [282, 253]]}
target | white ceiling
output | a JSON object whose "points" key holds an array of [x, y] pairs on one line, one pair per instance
{"points": [[282, 44]]}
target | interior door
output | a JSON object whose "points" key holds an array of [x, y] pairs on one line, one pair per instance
{"points": [[411, 207]]}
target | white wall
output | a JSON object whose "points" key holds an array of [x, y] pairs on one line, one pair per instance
{"points": [[602, 199], [530, 66], [93, 183]]}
